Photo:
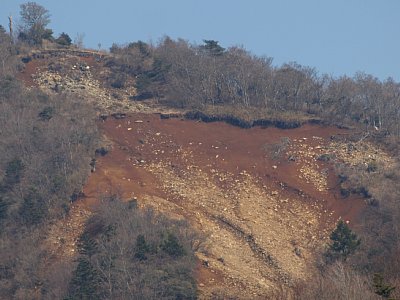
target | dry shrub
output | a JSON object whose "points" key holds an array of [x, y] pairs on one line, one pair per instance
{"points": [[336, 282]]}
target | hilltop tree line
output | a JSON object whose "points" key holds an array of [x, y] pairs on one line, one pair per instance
{"points": [[206, 77], [32, 27], [184, 75], [202, 76]]}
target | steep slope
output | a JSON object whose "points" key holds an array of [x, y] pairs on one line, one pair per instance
{"points": [[262, 197], [265, 220]]}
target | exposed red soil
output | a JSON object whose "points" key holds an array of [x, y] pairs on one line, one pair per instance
{"points": [[35, 66], [223, 180], [142, 140], [237, 150], [30, 68]]}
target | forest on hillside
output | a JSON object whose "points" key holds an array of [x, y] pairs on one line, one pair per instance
{"points": [[243, 89], [47, 144], [209, 76]]}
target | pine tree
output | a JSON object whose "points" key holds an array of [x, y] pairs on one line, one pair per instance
{"points": [[381, 288], [33, 209], [212, 48], [344, 241], [3, 208], [85, 283], [87, 245], [13, 175], [64, 39], [141, 248], [172, 246]]}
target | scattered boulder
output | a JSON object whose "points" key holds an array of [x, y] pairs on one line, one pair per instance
{"points": [[118, 116], [297, 251]]}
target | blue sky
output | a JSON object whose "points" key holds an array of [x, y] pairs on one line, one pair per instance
{"points": [[335, 36]]}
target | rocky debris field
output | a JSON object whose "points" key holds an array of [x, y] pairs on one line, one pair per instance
{"points": [[360, 154], [264, 220], [264, 199], [63, 236], [306, 158], [84, 77]]}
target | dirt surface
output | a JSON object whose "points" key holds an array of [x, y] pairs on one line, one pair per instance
{"points": [[27, 74], [263, 198], [265, 219], [84, 76]]}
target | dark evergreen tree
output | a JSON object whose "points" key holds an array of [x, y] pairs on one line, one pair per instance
{"points": [[141, 46], [381, 288], [141, 248], [344, 241], [33, 209], [46, 114], [64, 39], [87, 245], [13, 175], [172, 246], [212, 48], [3, 208], [85, 282]]}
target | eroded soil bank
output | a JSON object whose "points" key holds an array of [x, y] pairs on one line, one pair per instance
{"points": [[263, 200], [260, 196]]}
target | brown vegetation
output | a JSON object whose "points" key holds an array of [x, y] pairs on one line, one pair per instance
{"points": [[264, 199], [188, 76], [46, 144]]}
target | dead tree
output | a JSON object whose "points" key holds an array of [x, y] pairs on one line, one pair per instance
{"points": [[10, 25]]}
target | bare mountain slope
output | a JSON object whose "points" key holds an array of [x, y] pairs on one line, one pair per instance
{"points": [[263, 197]]}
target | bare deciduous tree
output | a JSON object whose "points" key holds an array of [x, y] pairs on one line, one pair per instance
{"points": [[34, 20]]}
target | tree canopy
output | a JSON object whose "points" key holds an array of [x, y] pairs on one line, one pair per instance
{"points": [[212, 48], [34, 20], [344, 241]]}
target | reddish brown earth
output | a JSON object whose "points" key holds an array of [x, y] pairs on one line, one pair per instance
{"points": [[30, 68], [35, 66], [265, 221], [153, 159], [237, 149]]}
